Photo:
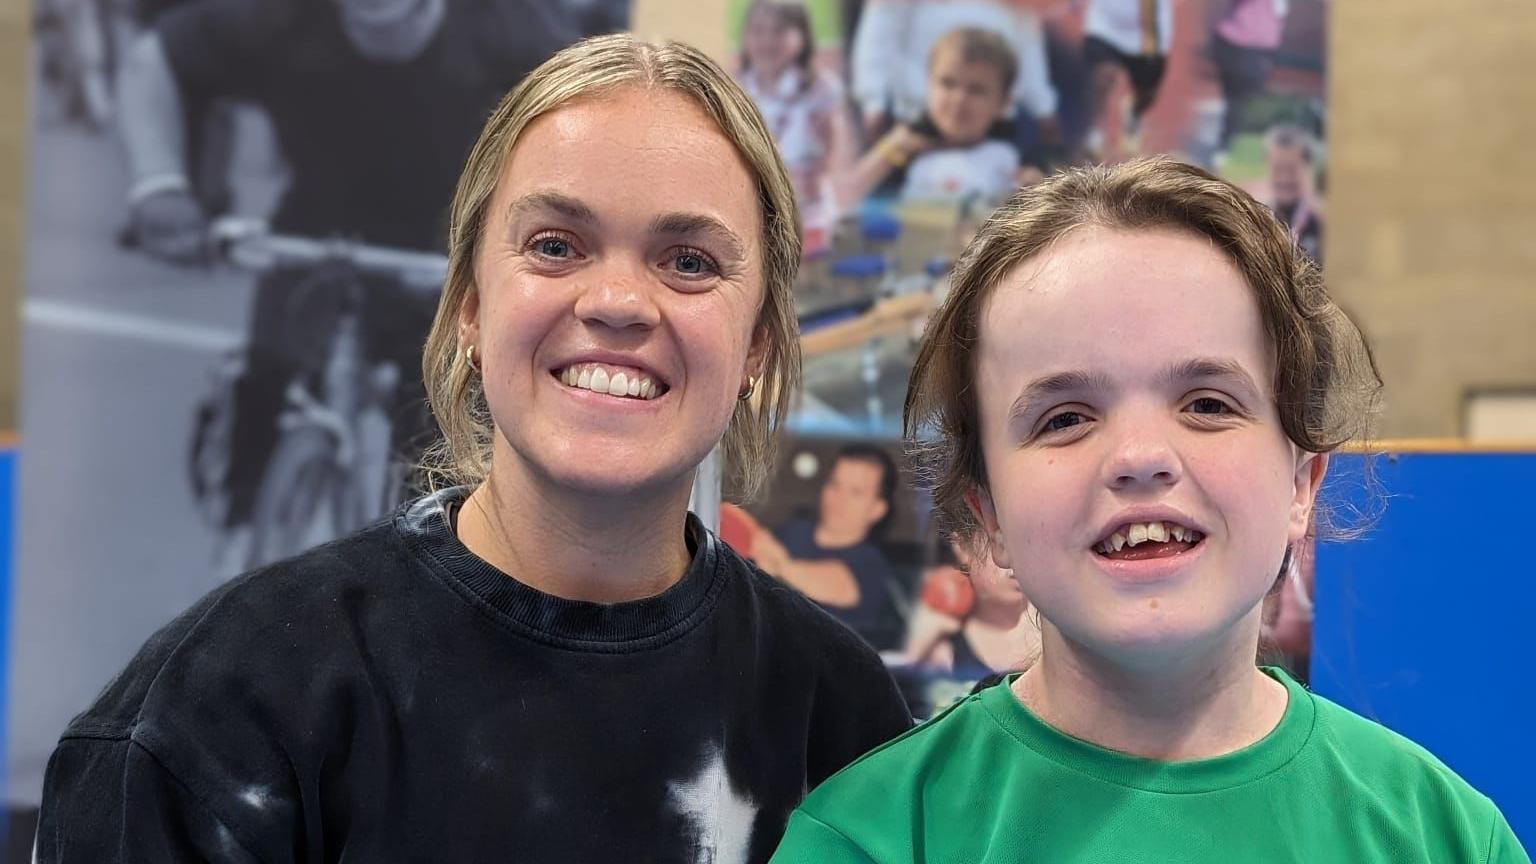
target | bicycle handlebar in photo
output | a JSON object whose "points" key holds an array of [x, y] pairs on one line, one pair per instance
{"points": [[250, 245]]}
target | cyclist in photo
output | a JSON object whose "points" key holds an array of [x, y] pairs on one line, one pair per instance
{"points": [[373, 104]]}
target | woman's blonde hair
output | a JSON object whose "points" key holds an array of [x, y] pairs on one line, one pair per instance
{"points": [[1326, 383], [591, 69]]}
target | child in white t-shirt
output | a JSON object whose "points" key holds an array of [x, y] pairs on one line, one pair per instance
{"points": [[952, 153]]}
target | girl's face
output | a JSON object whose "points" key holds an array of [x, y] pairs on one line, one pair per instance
{"points": [[769, 41], [1125, 396], [617, 285], [964, 98]]}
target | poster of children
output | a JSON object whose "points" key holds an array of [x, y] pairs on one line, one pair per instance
{"points": [[903, 124]]}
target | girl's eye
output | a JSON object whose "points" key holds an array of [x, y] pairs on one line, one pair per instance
{"points": [[1064, 420], [1209, 405]]}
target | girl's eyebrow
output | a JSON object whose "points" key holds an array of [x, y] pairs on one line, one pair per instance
{"points": [[1040, 389], [1079, 381], [1206, 368]]}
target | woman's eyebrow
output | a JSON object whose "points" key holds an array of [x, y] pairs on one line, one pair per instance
{"points": [[694, 224], [546, 200]]}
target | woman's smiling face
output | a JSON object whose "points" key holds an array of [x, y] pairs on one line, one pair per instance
{"points": [[617, 289], [1124, 389]]}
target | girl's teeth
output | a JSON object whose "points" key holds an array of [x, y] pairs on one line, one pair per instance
{"points": [[634, 386], [585, 379], [600, 380], [1148, 532], [619, 386]]}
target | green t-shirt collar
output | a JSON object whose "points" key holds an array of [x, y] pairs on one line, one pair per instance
{"points": [[1257, 760]]}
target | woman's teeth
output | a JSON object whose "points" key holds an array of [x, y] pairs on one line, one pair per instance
{"points": [[628, 383], [1147, 532]]}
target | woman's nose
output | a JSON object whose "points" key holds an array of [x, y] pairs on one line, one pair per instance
{"points": [[618, 295]]}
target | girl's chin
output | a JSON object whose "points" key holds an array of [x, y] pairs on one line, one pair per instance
{"points": [[1139, 643]]}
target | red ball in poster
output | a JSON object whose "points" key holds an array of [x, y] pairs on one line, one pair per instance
{"points": [[949, 591]]}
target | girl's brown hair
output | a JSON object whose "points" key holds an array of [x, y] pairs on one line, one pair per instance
{"points": [[1326, 382]]}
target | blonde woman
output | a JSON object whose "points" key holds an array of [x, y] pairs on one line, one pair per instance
{"points": [[548, 659]]}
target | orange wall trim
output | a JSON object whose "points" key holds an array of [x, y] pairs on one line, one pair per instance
{"points": [[1439, 445]]}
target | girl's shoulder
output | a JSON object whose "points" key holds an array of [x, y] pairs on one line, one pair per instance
{"points": [[1375, 761], [913, 758], [826, 87], [1369, 745]]}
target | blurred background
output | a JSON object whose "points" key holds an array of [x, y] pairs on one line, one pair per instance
{"points": [[1391, 135]]}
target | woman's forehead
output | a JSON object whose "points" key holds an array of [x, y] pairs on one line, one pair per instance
{"points": [[635, 149]]}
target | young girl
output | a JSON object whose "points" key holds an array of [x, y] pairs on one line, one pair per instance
{"points": [[550, 659], [803, 109], [1135, 381]]}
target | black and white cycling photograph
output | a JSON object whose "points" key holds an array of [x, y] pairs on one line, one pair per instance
{"points": [[237, 216]]}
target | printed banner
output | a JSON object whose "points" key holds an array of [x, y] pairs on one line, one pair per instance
{"points": [[904, 123]]}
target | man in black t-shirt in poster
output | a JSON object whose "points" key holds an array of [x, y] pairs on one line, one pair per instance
{"points": [[835, 560], [373, 104]]}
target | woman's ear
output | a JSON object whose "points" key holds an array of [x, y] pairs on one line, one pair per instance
{"points": [[980, 502], [1311, 468], [469, 318], [757, 352]]}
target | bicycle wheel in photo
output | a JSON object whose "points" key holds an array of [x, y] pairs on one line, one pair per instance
{"points": [[301, 478]]}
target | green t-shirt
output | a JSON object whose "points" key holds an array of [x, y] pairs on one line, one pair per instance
{"points": [[988, 781]]}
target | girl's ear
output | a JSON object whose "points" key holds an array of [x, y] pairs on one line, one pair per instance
{"points": [[980, 502], [1310, 470]]}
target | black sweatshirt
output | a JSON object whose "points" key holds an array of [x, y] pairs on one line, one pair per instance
{"points": [[392, 697]]}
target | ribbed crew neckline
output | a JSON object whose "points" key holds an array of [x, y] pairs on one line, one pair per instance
{"points": [[1268, 754], [426, 525]]}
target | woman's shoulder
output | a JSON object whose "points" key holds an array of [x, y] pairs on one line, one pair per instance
{"points": [[268, 624], [797, 625]]}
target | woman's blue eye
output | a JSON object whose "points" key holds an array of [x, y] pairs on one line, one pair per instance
{"points": [[1064, 420], [693, 263], [1209, 405], [553, 247]]}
